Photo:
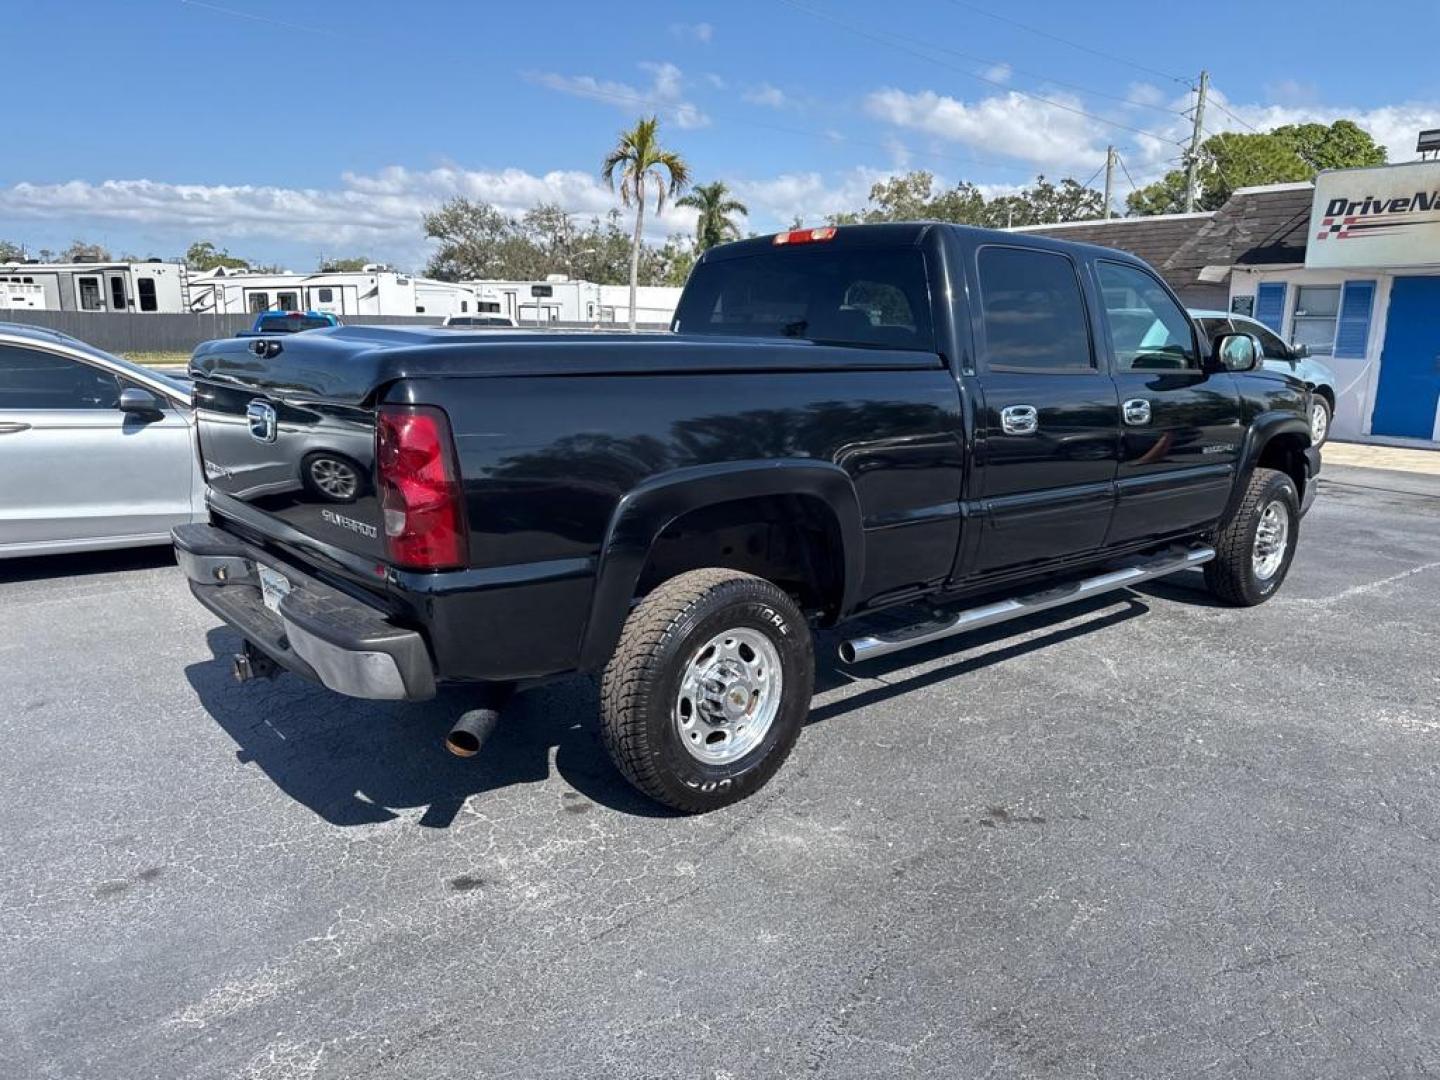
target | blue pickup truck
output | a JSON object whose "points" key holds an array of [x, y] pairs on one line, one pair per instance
{"points": [[288, 322]]}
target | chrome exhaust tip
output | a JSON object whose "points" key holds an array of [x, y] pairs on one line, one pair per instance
{"points": [[470, 732]]}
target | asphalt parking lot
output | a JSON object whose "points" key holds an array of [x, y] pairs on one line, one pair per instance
{"points": [[1147, 838]]}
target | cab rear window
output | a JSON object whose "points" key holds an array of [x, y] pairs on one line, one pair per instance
{"points": [[844, 297], [292, 323]]}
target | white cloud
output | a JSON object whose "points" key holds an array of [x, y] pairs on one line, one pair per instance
{"points": [[1060, 140], [378, 213], [1143, 93], [778, 200], [1009, 124], [664, 94], [998, 73], [701, 31], [770, 96]]}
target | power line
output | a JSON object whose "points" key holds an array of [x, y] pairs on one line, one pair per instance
{"points": [[862, 32], [1072, 44], [259, 18], [1126, 170], [993, 62], [1232, 116]]}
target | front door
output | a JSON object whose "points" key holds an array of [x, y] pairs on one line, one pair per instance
{"points": [[1409, 390], [1049, 421], [1181, 433], [73, 467]]}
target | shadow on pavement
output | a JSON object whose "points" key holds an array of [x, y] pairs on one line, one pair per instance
{"points": [[79, 564], [830, 674], [355, 762]]}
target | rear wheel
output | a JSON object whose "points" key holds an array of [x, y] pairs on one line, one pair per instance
{"points": [[1254, 549], [333, 477], [708, 689]]}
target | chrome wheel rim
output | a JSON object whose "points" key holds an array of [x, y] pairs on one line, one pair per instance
{"points": [[1319, 423], [334, 478], [1271, 537], [729, 696]]}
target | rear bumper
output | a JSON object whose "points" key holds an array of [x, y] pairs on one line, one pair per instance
{"points": [[1312, 474], [318, 632]]}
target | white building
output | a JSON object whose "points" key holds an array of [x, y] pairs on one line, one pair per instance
{"points": [[559, 299], [1349, 266], [152, 286], [375, 290]]}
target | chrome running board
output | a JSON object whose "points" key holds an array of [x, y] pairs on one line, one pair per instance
{"points": [[1166, 562]]}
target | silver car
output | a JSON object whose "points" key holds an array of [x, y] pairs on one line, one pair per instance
{"points": [[1279, 356], [95, 452]]}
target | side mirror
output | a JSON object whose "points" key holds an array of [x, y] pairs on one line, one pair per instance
{"points": [[1238, 352], [1300, 352], [139, 402]]}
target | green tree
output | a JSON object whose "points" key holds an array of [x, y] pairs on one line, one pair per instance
{"points": [[671, 264], [1044, 203], [11, 252], [714, 226], [80, 251], [203, 255], [640, 160], [340, 266], [1234, 159], [476, 241], [913, 197]]}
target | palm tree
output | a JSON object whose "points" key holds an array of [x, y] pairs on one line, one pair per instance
{"points": [[639, 157], [715, 205]]}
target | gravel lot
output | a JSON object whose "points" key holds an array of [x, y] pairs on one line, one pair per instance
{"points": [[1148, 838]]}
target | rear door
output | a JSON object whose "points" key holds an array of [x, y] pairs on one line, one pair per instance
{"points": [[73, 467], [1181, 429], [1048, 431]]}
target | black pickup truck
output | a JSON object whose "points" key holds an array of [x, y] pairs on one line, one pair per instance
{"points": [[959, 425]]}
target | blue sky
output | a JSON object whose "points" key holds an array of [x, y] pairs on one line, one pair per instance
{"points": [[284, 131]]}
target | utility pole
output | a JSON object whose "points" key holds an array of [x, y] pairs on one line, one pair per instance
{"points": [[1109, 178], [1193, 166]]}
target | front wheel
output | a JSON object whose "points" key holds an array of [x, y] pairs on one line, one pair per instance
{"points": [[708, 689], [1320, 416], [1255, 547]]}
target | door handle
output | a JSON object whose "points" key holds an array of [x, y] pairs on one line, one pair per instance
{"points": [[1019, 419], [13, 429], [1136, 411]]}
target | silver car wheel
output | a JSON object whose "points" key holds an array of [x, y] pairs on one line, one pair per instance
{"points": [[729, 696], [1272, 536], [1319, 422], [335, 478]]}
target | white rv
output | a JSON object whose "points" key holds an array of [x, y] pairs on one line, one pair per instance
{"points": [[17, 296], [559, 299], [152, 286], [375, 290]]}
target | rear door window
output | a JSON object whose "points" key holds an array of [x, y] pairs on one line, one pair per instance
{"points": [[1032, 312], [842, 296]]}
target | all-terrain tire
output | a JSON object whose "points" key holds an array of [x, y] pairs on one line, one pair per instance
{"points": [[641, 685], [1231, 575]]}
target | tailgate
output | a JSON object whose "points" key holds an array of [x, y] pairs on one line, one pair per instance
{"points": [[285, 448]]}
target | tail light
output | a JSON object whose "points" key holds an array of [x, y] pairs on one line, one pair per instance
{"points": [[805, 236], [420, 494]]}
